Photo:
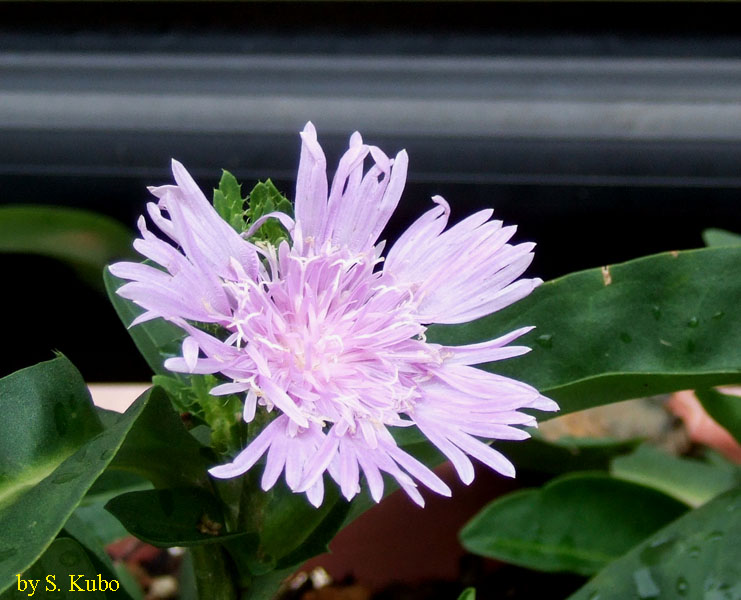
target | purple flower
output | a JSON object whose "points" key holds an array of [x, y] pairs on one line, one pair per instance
{"points": [[330, 335]]}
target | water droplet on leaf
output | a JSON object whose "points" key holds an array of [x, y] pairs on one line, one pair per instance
{"points": [[694, 552], [65, 477], [656, 311], [107, 453], [719, 315], [657, 550], [645, 585], [714, 536], [693, 322], [682, 586], [545, 340]]}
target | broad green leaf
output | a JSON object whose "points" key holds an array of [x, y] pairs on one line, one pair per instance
{"points": [[229, 203], [172, 517], [696, 556], [85, 240], [91, 510], [575, 523], [107, 528], [156, 339], [160, 448], [90, 539], [654, 325], [52, 449], [112, 483], [468, 594], [724, 408], [691, 481], [720, 237], [63, 571]]}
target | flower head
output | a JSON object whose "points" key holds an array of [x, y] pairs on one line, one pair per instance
{"points": [[329, 335]]}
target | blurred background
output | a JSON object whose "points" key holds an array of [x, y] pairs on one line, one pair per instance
{"points": [[606, 132]]}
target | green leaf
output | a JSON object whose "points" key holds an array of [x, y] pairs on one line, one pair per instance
{"points": [[63, 571], [172, 517], [85, 240], [720, 237], [91, 512], [160, 449], [52, 449], [263, 200], [291, 530], [577, 523], [468, 594], [156, 340], [229, 203], [654, 325], [565, 454], [697, 556], [691, 481], [90, 539], [724, 408]]}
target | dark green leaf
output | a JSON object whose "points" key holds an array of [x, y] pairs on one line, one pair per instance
{"points": [[229, 203], [724, 408], [468, 594], [91, 512], [653, 325], [160, 449], [90, 539], [292, 530], [172, 517], [565, 454], [575, 523], [85, 240], [52, 449], [697, 556], [63, 571], [720, 237], [694, 482], [156, 339]]}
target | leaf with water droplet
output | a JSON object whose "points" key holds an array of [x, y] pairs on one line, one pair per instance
{"points": [[683, 559], [545, 340], [645, 585], [586, 365], [562, 526], [65, 477]]}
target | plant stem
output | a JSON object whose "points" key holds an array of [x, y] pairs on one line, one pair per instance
{"points": [[214, 578]]}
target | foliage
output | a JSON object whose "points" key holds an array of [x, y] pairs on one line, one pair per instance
{"points": [[84, 240], [641, 521]]}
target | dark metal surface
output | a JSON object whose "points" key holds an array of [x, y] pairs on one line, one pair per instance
{"points": [[603, 142]]}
